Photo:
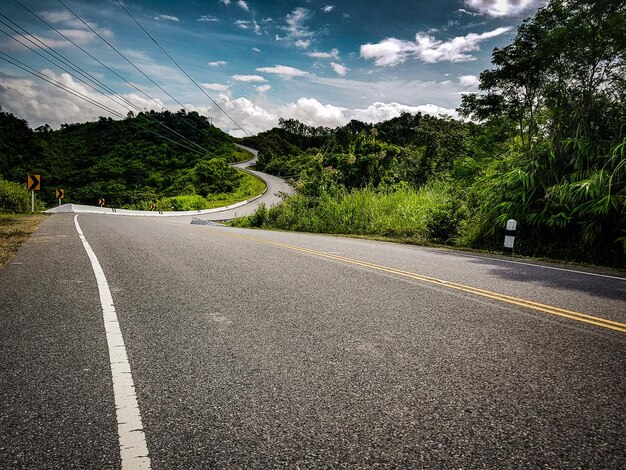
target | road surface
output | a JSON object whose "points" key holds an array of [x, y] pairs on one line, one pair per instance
{"points": [[255, 349]]}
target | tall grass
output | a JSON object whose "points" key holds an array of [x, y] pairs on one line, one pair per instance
{"points": [[429, 214]]}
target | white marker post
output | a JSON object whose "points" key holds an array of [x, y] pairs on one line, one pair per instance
{"points": [[509, 237], [32, 200]]}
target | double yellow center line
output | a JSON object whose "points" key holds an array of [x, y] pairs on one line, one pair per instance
{"points": [[581, 317]]}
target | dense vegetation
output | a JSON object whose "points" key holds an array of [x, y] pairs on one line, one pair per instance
{"points": [[167, 160], [545, 144]]}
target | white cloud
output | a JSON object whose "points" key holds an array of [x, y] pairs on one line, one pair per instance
{"points": [[284, 71], [302, 43], [471, 13], [166, 18], [248, 78], [377, 112], [468, 80], [244, 24], [312, 112], [225, 2], [256, 49], [217, 63], [208, 18], [295, 25], [215, 87], [328, 8], [339, 69], [499, 8], [42, 103], [333, 54], [247, 114], [392, 51], [243, 5]]}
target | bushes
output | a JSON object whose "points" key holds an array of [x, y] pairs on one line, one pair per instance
{"points": [[14, 197], [430, 214]]}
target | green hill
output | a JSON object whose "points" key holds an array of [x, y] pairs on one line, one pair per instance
{"points": [[135, 162]]}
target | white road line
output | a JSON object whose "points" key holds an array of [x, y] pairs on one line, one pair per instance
{"points": [[133, 447], [541, 266]]}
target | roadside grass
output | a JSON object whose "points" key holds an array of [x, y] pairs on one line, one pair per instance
{"points": [[430, 214], [249, 187], [15, 230]]}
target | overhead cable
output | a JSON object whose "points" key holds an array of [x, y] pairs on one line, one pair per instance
{"points": [[179, 67]]}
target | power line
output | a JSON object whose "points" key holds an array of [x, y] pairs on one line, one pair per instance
{"points": [[179, 67], [121, 55], [88, 53], [81, 71], [83, 97], [45, 48], [131, 63]]}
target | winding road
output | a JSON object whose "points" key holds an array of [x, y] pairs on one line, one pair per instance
{"points": [[272, 196]]}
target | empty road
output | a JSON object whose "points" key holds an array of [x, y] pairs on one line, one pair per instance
{"points": [[153, 343]]}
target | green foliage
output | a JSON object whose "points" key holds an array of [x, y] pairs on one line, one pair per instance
{"points": [[214, 176], [14, 198], [430, 214], [130, 163]]}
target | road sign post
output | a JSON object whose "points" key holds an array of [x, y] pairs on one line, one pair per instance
{"points": [[33, 183], [60, 195], [101, 202]]}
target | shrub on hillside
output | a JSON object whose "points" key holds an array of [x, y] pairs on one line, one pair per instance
{"points": [[13, 197]]}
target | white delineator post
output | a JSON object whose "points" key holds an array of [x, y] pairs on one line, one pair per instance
{"points": [[32, 200], [509, 237]]}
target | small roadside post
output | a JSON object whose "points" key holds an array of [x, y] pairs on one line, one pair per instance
{"points": [[101, 202], [509, 237], [60, 195], [34, 184]]}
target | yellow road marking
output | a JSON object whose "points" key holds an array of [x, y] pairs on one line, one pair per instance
{"points": [[572, 315]]}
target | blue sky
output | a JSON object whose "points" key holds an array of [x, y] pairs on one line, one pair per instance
{"points": [[323, 62]]}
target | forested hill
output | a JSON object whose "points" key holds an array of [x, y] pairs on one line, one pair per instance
{"points": [[132, 162]]}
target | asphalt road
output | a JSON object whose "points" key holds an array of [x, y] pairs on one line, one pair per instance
{"points": [[253, 349]]}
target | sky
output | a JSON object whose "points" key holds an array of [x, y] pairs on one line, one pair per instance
{"points": [[246, 63]]}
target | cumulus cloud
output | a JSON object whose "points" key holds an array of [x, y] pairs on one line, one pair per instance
{"points": [[328, 8], [500, 8], [217, 63], [256, 49], [42, 103], [427, 48], [284, 71], [468, 80], [339, 69], [255, 118], [377, 112], [333, 54], [225, 2], [243, 5], [248, 78], [215, 87], [166, 18]]}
